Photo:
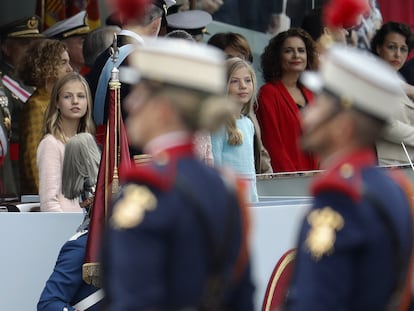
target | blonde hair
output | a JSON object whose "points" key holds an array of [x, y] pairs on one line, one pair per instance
{"points": [[53, 121], [234, 64]]}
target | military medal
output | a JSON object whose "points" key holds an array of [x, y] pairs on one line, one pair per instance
{"points": [[322, 235], [130, 210]]}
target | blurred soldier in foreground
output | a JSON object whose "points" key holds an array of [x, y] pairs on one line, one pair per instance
{"points": [[176, 237], [355, 245], [15, 38]]}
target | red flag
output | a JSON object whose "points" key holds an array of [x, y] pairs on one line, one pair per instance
{"points": [[52, 11], [92, 8], [115, 151]]}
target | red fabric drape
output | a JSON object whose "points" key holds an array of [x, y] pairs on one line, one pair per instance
{"points": [[398, 11]]}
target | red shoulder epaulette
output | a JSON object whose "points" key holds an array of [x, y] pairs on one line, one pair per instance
{"points": [[345, 179], [146, 174]]}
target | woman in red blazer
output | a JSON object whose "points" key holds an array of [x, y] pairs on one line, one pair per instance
{"points": [[282, 97]]}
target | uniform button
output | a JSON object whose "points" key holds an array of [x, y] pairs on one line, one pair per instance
{"points": [[347, 170]]}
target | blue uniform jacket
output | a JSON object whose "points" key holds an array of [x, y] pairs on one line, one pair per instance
{"points": [[158, 260], [347, 257], [65, 286]]}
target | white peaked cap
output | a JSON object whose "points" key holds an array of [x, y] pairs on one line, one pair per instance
{"points": [[366, 81], [72, 26], [179, 62]]}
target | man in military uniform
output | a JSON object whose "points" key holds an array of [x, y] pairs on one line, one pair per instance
{"points": [[133, 33], [176, 235], [355, 245], [7, 182], [15, 38]]}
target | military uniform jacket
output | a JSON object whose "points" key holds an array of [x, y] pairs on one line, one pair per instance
{"points": [[65, 286], [17, 94], [356, 241], [155, 250], [7, 177]]}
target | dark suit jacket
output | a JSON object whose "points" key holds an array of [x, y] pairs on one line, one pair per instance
{"points": [[408, 71]]}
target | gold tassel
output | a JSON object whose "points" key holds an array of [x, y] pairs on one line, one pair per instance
{"points": [[115, 181], [91, 274]]}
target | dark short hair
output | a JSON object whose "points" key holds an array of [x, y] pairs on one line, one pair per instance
{"points": [[223, 40], [392, 27]]}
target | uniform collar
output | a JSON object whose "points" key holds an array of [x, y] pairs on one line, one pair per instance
{"points": [[169, 144], [166, 151], [359, 158], [344, 174]]}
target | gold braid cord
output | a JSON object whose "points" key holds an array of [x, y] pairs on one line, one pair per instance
{"points": [[115, 85], [91, 273]]}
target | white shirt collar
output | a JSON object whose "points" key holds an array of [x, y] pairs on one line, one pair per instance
{"points": [[132, 34], [167, 141]]}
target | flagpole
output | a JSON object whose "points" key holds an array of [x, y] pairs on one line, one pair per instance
{"points": [[107, 183]]}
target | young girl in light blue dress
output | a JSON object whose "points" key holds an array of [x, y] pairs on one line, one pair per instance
{"points": [[233, 144]]}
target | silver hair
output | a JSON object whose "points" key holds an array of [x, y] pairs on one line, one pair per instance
{"points": [[152, 13], [98, 41], [80, 165], [180, 34]]}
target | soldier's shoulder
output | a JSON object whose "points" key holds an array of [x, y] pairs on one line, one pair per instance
{"points": [[132, 204], [13, 85], [78, 235], [145, 174], [346, 179], [138, 195]]}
